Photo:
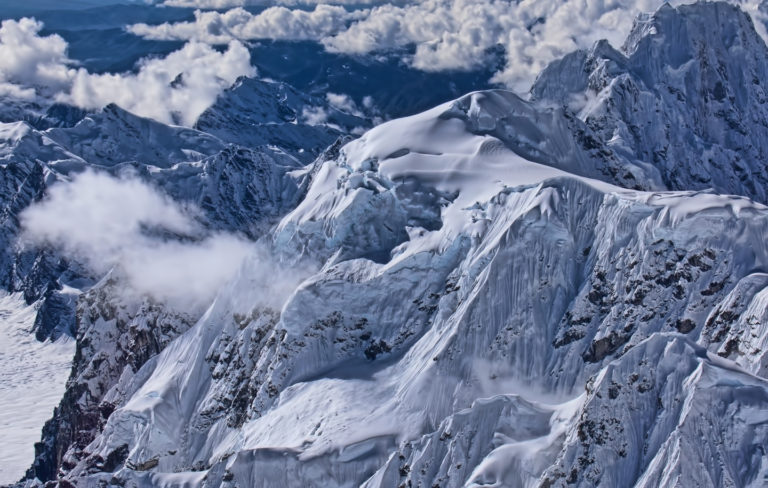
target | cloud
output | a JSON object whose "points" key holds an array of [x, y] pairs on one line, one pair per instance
{"points": [[209, 4], [458, 34], [314, 115], [174, 89], [223, 4], [272, 23], [125, 225], [446, 34], [28, 60], [344, 103]]}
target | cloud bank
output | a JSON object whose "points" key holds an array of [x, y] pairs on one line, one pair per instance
{"points": [[447, 34], [223, 4], [127, 226], [174, 89], [28, 60], [273, 23]]}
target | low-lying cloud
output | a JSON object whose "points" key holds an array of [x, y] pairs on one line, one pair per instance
{"points": [[28, 60], [174, 89], [273, 23], [447, 34], [223, 4], [126, 226]]}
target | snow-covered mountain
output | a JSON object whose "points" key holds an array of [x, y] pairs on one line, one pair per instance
{"points": [[228, 177], [257, 112], [685, 94], [238, 189], [564, 290]]}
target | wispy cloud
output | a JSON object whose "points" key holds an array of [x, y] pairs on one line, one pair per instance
{"points": [[174, 89], [152, 242]]}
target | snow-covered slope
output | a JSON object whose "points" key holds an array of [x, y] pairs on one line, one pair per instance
{"points": [[32, 378], [507, 293], [241, 190], [236, 189]]}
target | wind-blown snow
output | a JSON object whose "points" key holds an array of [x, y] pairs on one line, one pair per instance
{"points": [[33, 375]]}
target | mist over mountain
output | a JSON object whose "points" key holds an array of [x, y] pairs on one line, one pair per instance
{"points": [[450, 243]]}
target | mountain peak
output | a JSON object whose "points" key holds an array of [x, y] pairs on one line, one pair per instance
{"points": [[687, 96]]}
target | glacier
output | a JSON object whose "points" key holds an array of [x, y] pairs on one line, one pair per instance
{"points": [[564, 289], [33, 375]]}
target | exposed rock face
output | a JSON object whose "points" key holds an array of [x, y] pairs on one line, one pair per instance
{"points": [[115, 338]]}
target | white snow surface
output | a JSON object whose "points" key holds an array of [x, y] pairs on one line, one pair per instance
{"points": [[33, 375]]}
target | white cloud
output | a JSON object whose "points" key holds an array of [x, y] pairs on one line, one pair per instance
{"points": [[447, 34], [456, 34], [28, 59], [272, 23], [208, 4], [174, 89], [314, 115], [177, 88], [344, 103], [122, 224], [223, 4]]}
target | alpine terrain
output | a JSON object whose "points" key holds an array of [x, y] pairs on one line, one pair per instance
{"points": [[566, 288]]}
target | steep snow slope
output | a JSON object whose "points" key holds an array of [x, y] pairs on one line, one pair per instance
{"points": [[522, 295], [505, 297], [237, 189]]}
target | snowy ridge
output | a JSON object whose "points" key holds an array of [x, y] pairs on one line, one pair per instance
{"points": [[431, 358], [238, 190], [96, 139], [257, 112]]}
